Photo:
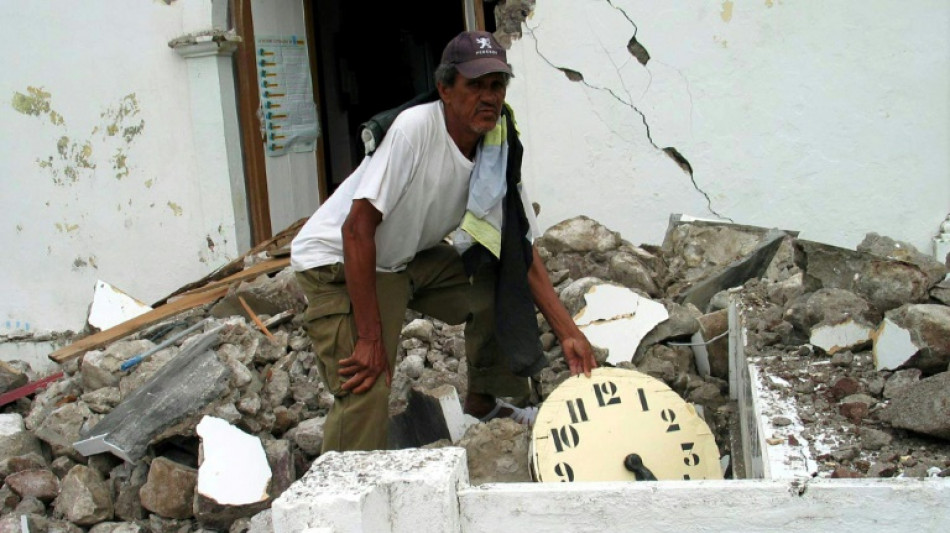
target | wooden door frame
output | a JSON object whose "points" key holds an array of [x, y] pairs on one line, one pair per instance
{"points": [[248, 98]]}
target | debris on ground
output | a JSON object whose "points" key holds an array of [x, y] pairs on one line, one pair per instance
{"points": [[852, 344]]}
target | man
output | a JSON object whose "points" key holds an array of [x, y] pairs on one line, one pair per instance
{"points": [[377, 246]]}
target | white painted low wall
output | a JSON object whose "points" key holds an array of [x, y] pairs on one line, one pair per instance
{"points": [[739, 505]]}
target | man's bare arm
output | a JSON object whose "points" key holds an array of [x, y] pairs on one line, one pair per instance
{"points": [[577, 350], [369, 358]]}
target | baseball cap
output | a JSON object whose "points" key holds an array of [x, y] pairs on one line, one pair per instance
{"points": [[476, 53]]}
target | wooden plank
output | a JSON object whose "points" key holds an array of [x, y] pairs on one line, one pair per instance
{"points": [[28, 389], [184, 302], [259, 269], [100, 339]]}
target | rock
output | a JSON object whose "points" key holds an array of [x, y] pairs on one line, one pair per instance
{"points": [[903, 251], [102, 400], [885, 283], [579, 234], [85, 498], [941, 291], [845, 472], [682, 323], [128, 479], [712, 356], [923, 407], [40, 484], [914, 335], [116, 527], [875, 439], [15, 440], [573, 295], [63, 427], [19, 463], [11, 377], [899, 380], [786, 291], [421, 329], [626, 269], [829, 306], [497, 451], [170, 489], [308, 435]]}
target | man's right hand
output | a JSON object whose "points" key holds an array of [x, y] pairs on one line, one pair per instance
{"points": [[363, 368]]}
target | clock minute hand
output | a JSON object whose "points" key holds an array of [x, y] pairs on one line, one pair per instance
{"points": [[634, 463]]}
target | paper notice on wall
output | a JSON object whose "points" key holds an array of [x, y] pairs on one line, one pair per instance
{"points": [[287, 107]]}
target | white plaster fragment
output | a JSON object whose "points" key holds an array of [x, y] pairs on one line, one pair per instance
{"points": [[617, 319], [834, 338], [10, 424], [235, 470], [892, 346], [111, 307]]}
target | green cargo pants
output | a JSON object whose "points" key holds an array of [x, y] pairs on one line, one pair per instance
{"points": [[435, 284]]}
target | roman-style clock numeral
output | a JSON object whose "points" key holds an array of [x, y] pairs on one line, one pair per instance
{"points": [[606, 393], [669, 416], [566, 437], [691, 459], [575, 408], [564, 471]]}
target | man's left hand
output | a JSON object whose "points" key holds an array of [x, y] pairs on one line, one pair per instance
{"points": [[578, 354]]}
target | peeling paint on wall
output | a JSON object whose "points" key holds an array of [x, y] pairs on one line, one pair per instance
{"points": [[176, 209], [726, 13], [76, 157], [65, 227], [36, 103]]}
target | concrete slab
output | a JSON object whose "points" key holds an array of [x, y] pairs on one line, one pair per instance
{"points": [[617, 319], [180, 389], [234, 468], [404, 491]]}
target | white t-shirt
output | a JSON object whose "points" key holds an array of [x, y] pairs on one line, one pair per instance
{"points": [[417, 178]]}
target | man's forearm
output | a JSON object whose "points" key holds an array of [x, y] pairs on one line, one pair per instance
{"points": [[359, 266]]}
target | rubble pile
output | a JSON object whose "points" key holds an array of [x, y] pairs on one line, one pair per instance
{"points": [[856, 341]]}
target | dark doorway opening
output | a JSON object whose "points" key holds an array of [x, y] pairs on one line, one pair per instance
{"points": [[372, 57]]}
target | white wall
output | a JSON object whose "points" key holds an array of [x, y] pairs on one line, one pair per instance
{"points": [[830, 118], [292, 185], [132, 208]]}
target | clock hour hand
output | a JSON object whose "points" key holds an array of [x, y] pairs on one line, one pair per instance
{"points": [[634, 463]]}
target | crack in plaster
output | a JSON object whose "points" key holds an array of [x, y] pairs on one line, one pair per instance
{"points": [[634, 47]]}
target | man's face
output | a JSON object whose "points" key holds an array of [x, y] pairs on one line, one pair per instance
{"points": [[475, 104]]}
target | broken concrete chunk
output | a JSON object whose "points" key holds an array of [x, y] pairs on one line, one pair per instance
{"points": [[899, 380], [786, 291], [751, 266], [616, 318], [941, 291], [371, 489], [234, 470], [626, 269], [682, 323], [834, 338], [85, 498], [885, 283], [170, 489], [420, 329], [308, 435], [496, 450], [916, 336], [64, 425], [923, 407], [579, 234], [40, 484], [903, 251], [15, 440], [11, 377], [185, 385]]}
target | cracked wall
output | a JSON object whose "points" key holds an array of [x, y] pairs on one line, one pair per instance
{"points": [[767, 113]]}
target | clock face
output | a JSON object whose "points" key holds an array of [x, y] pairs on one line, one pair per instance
{"points": [[588, 427]]}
